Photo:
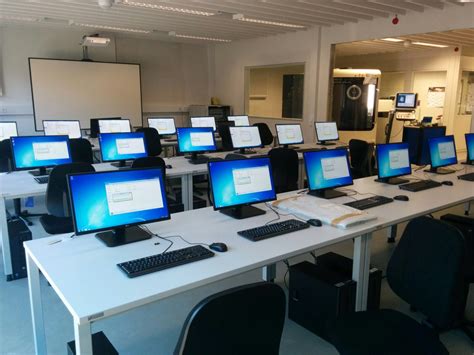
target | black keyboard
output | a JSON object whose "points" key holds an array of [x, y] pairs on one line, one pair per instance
{"points": [[420, 185], [149, 264], [467, 177], [273, 229], [42, 179], [369, 202]]}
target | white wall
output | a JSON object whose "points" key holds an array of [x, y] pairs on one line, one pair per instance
{"points": [[174, 75]]}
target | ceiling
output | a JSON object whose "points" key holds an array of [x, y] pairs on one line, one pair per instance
{"points": [[456, 38], [186, 18]]}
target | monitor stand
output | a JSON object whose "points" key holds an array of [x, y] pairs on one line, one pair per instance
{"points": [[392, 181], [326, 143], [241, 212], [468, 162], [441, 171], [194, 158], [245, 151], [40, 172], [286, 146], [122, 236], [122, 164], [327, 193]]}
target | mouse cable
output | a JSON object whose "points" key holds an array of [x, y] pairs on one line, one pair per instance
{"points": [[279, 214], [167, 238]]}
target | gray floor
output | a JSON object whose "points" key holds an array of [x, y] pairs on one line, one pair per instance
{"points": [[154, 329]]}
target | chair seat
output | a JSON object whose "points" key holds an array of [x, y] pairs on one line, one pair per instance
{"points": [[57, 225], [383, 332]]}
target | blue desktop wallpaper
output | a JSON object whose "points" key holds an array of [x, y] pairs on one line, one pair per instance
{"points": [[89, 199], [108, 148], [222, 181], [314, 170], [184, 139], [436, 160], [23, 155], [383, 160], [470, 146]]}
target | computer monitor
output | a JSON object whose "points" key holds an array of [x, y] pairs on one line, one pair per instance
{"points": [[393, 160], [442, 153], [244, 137], [120, 147], [94, 124], [326, 132], [114, 203], [62, 128], [326, 170], [470, 148], [289, 134], [198, 122], [7, 130], [164, 125], [239, 120], [194, 141], [40, 152], [406, 101], [114, 126], [237, 184]]}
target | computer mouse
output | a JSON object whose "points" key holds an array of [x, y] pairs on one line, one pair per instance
{"points": [[168, 166], [401, 198], [315, 222], [447, 182], [219, 247]]}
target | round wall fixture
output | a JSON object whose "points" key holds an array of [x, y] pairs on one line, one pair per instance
{"points": [[353, 92]]}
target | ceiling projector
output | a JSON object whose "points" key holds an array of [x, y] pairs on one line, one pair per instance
{"points": [[90, 41]]}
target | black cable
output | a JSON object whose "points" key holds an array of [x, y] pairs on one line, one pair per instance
{"points": [[282, 214], [286, 273], [184, 240]]}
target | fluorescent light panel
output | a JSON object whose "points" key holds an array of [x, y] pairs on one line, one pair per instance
{"points": [[112, 28], [240, 17], [430, 44], [168, 8], [174, 34], [392, 39], [18, 18]]}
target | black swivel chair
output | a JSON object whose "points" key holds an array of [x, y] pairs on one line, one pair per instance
{"points": [[266, 134], [243, 320], [152, 141], [81, 151], [224, 132], [235, 156], [150, 162], [59, 219], [285, 166], [362, 158], [427, 271]]}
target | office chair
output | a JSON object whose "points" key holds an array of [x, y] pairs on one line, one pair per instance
{"points": [[285, 166], [247, 319], [59, 219], [224, 133], [150, 162], [81, 151], [362, 158], [266, 134], [152, 141], [427, 271]]}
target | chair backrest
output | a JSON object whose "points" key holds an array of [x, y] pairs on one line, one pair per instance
{"points": [[152, 141], [57, 198], [427, 270], [361, 154], [81, 150], [266, 134], [224, 132], [6, 159], [150, 162], [285, 166], [243, 320], [235, 156]]}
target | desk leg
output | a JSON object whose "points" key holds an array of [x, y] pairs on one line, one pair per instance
{"points": [[392, 234], [269, 272], [301, 174], [467, 207], [360, 270], [83, 338], [36, 306], [187, 191], [7, 261]]}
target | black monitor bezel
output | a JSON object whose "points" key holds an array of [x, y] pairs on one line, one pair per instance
{"points": [[16, 128], [467, 147], [241, 204], [73, 209], [246, 147], [215, 122], [405, 107], [117, 160], [78, 121], [326, 140], [455, 153], [378, 164], [289, 124], [111, 119], [195, 151], [38, 167], [319, 151], [166, 118]]}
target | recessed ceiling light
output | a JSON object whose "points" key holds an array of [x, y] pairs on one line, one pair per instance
{"points": [[392, 39], [174, 34], [112, 28], [430, 44], [19, 18], [167, 8], [241, 17]]}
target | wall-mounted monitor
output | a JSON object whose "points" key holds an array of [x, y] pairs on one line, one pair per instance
{"points": [[406, 101]]}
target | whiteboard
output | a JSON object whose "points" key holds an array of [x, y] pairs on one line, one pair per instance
{"points": [[77, 90]]}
